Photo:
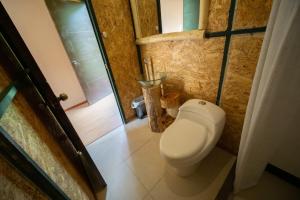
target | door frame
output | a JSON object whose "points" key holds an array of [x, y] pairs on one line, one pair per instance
{"points": [[101, 45], [29, 68]]}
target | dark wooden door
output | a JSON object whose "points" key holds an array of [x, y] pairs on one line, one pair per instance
{"points": [[41, 95]]}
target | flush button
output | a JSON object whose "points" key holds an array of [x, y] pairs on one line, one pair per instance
{"points": [[202, 102]]}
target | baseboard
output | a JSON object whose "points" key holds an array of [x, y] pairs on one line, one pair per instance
{"points": [[283, 175], [76, 105]]}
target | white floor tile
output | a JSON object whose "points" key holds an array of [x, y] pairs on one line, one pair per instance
{"points": [[147, 164], [204, 184], [129, 159], [123, 185], [114, 148], [138, 134]]}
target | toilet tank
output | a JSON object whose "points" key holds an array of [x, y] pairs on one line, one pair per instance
{"points": [[203, 112]]}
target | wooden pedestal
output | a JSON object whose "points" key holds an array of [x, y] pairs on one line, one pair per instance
{"points": [[171, 103], [152, 101]]}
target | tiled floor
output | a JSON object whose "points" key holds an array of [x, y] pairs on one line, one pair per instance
{"points": [[94, 121], [269, 187], [130, 162]]}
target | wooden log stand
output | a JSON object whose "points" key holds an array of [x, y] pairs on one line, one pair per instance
{"points": [[170, 102], [152, 100]]}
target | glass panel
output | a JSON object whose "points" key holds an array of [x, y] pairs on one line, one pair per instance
{"points": [[190, 14], [75, 28]]}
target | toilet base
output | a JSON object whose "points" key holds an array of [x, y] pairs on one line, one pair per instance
{"points": [[185, 171]]}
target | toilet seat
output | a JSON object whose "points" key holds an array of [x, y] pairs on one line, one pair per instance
{"points": [[183, 139]]}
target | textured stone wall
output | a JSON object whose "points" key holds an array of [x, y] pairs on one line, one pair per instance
{"points": [[25, 127], [193, 66], [114, 18]]}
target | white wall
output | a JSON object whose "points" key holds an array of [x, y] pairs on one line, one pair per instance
{"points": [[35, 25], [171, 15]]}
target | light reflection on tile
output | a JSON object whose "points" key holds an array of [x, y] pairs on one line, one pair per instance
{"points": [[204, 184], [147, 163], [129, 159]]}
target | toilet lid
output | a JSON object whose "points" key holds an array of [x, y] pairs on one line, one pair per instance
{"points": [[183, 139]]}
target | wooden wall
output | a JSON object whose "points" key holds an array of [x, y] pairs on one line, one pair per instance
{"points": [[26, 128], [218, 15], [147, 12], [242, 60], [14, 185], [114, 18], [252, 13], [193, 66]]}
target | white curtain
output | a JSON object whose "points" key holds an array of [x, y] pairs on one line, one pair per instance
{"points": [[273, 110]]}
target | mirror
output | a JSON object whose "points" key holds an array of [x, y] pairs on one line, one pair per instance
{"points": [[145, 17], [152, 17]]}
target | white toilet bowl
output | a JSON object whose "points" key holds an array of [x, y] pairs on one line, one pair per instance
{"points": [[194, 133]]}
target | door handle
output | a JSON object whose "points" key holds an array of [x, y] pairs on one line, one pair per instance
{"points": [[62, 97], [75, 62]]}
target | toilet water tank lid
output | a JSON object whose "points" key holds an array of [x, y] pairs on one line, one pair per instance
{"points": [[183, 139]]}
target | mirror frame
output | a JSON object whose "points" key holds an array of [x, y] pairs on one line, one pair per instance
{"points": [[203, 17]]}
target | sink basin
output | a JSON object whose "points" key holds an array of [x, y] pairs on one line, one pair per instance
{"points": [[150, 83]]}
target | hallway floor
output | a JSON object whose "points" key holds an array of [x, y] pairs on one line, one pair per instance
{"points": [[129, 159], [94, 121]]}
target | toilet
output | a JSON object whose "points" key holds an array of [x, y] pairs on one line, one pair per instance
{"points": [[191, 137]]}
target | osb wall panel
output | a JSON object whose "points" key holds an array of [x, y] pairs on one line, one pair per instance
{"points": [[114, 18], [147, 12], [243, 57], [218, 15], [252, 13], [14, 185], [181, 61], [25, 127], [191, 66]]}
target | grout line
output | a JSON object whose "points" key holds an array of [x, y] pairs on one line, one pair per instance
{"points": [[134, 172], [133, 152], [104, 136], [139, 180], [155, 184]]}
